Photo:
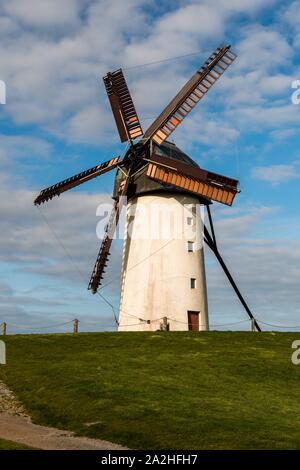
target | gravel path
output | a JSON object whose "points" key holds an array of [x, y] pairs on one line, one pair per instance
{"points": [[9, 403], [15, 425]]}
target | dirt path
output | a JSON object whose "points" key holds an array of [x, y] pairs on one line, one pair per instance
{"points": [[20, 429], [9, 403], [15, 425]]}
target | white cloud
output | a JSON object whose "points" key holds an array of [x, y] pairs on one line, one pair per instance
{"points": [[292, 16], [261, 118], [242, 6], [18, 148], [202, 128], [44, 13], [50, 80], [284, 134], [256, 91], [276, 173], [87, 124], [255, 87], [263, 48], [192, 19], [54, 77]]}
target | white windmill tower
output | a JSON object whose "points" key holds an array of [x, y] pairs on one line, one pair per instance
{"points": [[163, 282]]}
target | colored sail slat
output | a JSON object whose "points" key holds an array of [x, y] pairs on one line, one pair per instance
{"points": [[122, 106], [196, 180], [76, 180], [190, 94], [207, 189]]}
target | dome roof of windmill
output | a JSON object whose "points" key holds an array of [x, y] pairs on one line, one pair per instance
{"points": [[142, 184], [170, 150]]}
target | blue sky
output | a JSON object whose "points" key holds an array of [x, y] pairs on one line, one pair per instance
{"points": [[57, 122]]}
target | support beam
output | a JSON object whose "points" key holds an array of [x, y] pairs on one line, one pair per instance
{"points": [[211, 225], [212, 245]]}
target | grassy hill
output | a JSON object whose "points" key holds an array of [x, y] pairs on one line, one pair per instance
{"points": [[9, 445], [212, 390]]}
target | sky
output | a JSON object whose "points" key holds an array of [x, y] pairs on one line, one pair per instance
{"points": [[57, 122]]}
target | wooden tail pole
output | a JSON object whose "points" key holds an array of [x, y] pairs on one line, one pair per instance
{"points": [[253, 324], [75, 326], [210, 242], [3, 327]]}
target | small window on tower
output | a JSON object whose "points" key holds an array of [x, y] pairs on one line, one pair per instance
{"points": [[189, 220], [190, 247], [193, 283]]}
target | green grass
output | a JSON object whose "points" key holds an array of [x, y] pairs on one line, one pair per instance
{"points": [[212, 390], [9, 445]]}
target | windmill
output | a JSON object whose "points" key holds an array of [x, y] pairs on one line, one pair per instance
{"points": [[163, 283]]}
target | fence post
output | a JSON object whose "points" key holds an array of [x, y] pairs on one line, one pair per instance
{"points": [[252, 324], [3, 326], [75, 326]]}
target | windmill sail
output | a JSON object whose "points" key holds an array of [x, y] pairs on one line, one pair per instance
{"points": [[103, 255], [192, 92], [168, 171], [122, 106], [76, 180], [196, 180], [102, 258]]}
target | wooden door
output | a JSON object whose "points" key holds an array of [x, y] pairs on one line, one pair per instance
{"points": [[193, 320]]}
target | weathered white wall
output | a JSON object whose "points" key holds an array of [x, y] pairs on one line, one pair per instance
{"points": [[157, 266]]}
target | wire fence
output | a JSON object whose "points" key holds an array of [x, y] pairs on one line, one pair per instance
{"points": [[137, 324]]}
